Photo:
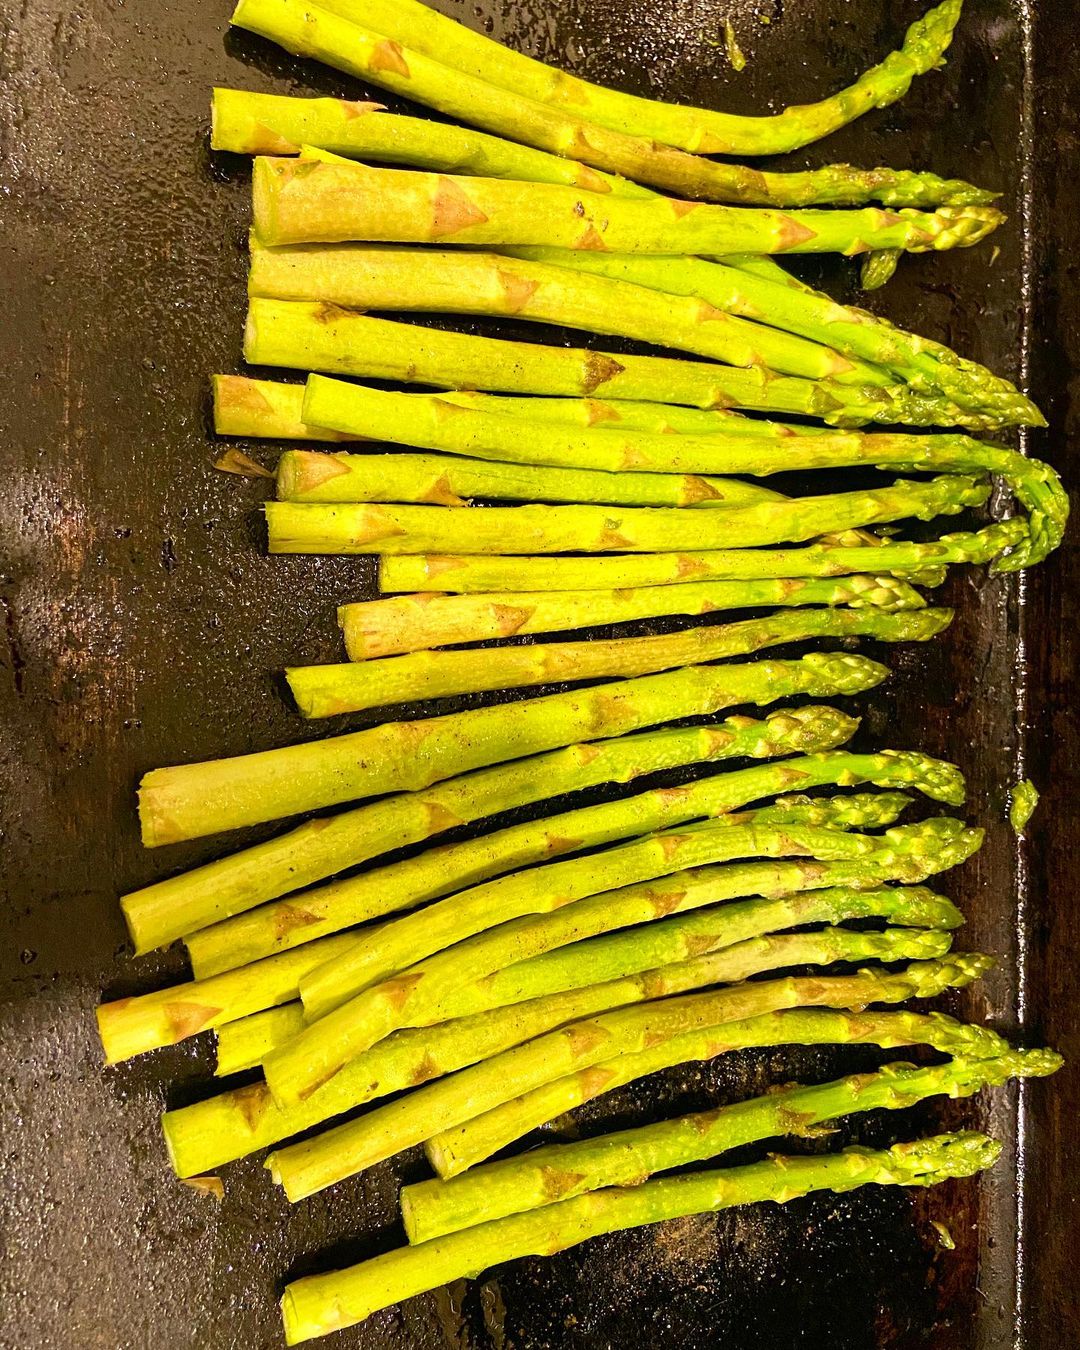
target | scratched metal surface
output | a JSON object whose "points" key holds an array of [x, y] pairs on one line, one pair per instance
{"points": [[143, 624]]}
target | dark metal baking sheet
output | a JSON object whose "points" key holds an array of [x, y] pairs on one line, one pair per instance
{"points": [[142, 625]]}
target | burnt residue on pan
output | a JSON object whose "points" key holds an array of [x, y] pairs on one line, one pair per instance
{"points": [[142, 624]]}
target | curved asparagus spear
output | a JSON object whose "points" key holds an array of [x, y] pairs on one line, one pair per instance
{"points": [[699, 130], [319, 1304], [438, 872], [180, 906], [187, 801], [461, 282], [561, 1171], [448, 480], [414, 622], [207, 1134], [297, 1069], [477, 575], [343, 342], [304, 1168], [928, 366], [323, 201], [327, 691], [310, 30], [350, 529], [425, 420]]}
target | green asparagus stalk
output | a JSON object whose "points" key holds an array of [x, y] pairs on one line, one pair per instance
{"points": [[280, 415], [488, 284], [183, 905], [425, 420], [926, 365], [411, 623], [264, 408], [343, 342], [313, 31], [447, 480], [329, 690], [133, 1026], [879, 268], [486, 1016], [318, 201], [243, 1044], [305, 1168], [348, 528], [560, 1172], [438, 872], [319, 1304], [508, 911], [477, 575], [698, 130]]}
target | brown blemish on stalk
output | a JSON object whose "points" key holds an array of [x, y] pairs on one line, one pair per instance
{"points": [[438, 818], [697, 489], [555, 843], [665, 902], [556, 1182], [610, 538], [272, 142], [517, 291], [670, 845], [585, 1038], [440, 493], [716, 739], [590, 180], [389, 56], [437, 564], [586, 753], [669, 796], [425, 1071], [653, 984], [601, 412], [700, 944], [591, 241], [355, 108], [690, 567], [593, 1082], [252, 1103], [328, 313], [599, 369], [316, 469], [633, 458], [707, 313], [375, 524], [186, 1019], [453, 210], [791, 233], [287, 918], [681, 208], [510, 619], [399, 990]]}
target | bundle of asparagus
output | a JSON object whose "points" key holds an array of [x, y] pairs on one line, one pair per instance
{"points": [[523, 968]]}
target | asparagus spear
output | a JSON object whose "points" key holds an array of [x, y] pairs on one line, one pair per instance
{"points": [[331, 201], [410, 623], [181, 906], [246, 407], [304, 1168], [698, 130], [133, 1026], [879, 268], [561, 1171], [926, 365], [550, 989], [243, 1044], [342, 342], [309, 30], [188, 801], [438, 872], [427, 421], [448, 480], [473, 575], [297, 1069], [329, 690], [355, 528], [488, 284], [319, 1304]]}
